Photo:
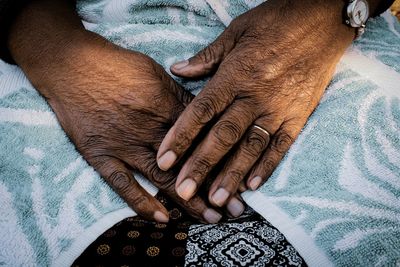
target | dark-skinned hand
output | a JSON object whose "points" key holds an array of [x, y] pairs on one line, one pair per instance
{"points": [[270, 68], [114, 104]]}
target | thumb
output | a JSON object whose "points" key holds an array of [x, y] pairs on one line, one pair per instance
{"points": [[207, 60], [182, 95], [125, 185]]}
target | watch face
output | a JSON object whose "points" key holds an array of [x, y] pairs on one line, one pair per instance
{"points": [[360, 12]]}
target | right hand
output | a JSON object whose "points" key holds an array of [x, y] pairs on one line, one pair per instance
{"points": [[270, 68], [116, 106]]}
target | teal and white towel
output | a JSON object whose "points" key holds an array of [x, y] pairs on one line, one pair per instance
{"points": [[336, 195]]}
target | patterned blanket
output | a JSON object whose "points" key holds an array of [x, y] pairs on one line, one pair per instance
{"points": [[336, 195]]}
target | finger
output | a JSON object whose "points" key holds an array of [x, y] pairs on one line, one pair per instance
{"points": [[210, 102], [197, 208], [207, 60], [235, 206], [125, 185], [165, 181], [235, 170], [182, 95], [221, 138], [242, 187], [279, 145]]}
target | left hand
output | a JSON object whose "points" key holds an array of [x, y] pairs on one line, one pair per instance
{"points": [[272, 66], [114, 104]]}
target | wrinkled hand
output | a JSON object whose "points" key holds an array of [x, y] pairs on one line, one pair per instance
{"points": [[116, 106], [271, 65]]}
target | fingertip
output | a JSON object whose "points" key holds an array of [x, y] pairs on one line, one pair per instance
{"points": [[191, 69], [186, 189], [167, 160], [220, 197], [166, 157], [255, 182], [160, 217], [211, 216], [235, 207], [179, 65]]}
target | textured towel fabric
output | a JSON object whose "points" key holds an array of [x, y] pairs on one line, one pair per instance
{"points": [[335, 196]]}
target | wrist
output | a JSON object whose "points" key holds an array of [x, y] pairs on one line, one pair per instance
{"points": [[43, 61], [355, 13], [326, 19], [45, 36], [34, 53]]}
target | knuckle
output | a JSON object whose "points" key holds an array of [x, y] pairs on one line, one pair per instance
{"points": [[236, 22], [99, 163], [203, 110], [246, 67], [148, 167], [255, 143], [200, 167], [165, 182], [120, 181], [167, 185], [90, 145], [282, 142], [195, 207], [139, 201], [268, 166], [227, 133], [158, 180], [209, 56], [236, 27], [183, 140], [235, 177]]}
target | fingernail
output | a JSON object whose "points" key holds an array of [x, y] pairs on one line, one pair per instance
{"points": [[211, 216], [165, 161], [186, 189], [255, 182], [160, 217], [180, 65], [220, 197], [235, 207]]}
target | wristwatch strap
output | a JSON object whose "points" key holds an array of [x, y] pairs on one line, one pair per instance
{"points": [[383, 6]]}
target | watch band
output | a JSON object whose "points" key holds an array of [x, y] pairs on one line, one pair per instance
{"points": [[359, 31], [382, 7], [362, 9]]}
